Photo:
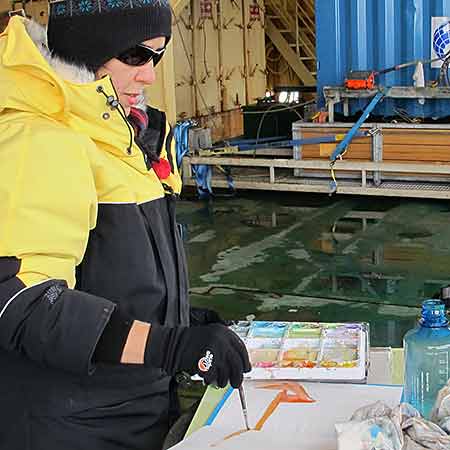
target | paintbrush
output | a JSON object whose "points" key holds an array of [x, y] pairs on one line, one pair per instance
{"points": [[244, 405]]}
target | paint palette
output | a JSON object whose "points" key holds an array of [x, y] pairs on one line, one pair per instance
{"points": [[306, 350]]}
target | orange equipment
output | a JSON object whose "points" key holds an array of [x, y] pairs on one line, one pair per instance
{"points": [[360, 79]]}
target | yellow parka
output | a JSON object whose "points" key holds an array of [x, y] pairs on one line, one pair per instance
{"points": [[84, 224]]}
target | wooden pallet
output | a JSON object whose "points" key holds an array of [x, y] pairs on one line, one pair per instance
{"points": [[264, 174], [405, 161], [411, 145]]}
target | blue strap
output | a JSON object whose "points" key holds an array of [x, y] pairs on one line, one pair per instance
{"points": [[202, 176], [293, 142], [227, 172], [181, 134], [342, 146]]}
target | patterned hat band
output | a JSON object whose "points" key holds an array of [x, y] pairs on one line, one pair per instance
{"points": [[91, 32], [70, 8]]}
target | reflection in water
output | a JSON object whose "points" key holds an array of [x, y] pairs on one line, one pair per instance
{"points": [[267, 221], [339, 259], [415, 234], [346, 227]]}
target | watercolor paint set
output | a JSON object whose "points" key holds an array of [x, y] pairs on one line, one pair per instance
{"points": [[306, 350]]}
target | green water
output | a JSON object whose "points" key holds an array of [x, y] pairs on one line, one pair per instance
{"points": [[315, 258]]}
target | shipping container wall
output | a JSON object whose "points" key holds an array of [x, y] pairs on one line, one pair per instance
{"points": [[376, 34]]}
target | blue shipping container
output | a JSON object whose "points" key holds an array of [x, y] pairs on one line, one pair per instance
{"points": [[376, 34]]}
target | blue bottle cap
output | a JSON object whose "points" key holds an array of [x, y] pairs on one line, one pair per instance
{"points": [[433, 314]]}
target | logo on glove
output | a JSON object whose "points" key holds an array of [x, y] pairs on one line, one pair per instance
{"points": [[205, 363]]}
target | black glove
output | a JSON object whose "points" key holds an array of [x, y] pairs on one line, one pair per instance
{"points": [[204, 316], [212, 351]]}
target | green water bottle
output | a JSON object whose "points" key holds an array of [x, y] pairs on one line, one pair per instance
{"points": [[427, 357]]}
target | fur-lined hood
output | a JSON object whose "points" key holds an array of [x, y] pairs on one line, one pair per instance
{"points": [[69, 72], [33, 81]]}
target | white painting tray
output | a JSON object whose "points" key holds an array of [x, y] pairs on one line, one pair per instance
{"points": [[306, 350]]}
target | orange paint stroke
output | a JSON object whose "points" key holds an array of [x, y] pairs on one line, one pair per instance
{"points": [[299, 396], [269, 411], [232, 435]]}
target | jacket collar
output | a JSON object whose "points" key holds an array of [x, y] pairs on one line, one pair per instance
{"points": [[35, 81]]}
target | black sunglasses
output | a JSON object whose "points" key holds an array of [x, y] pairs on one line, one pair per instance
{"points": [[140, 55]]}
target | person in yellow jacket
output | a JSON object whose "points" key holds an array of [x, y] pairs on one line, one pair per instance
{"points": [[95, 318]]}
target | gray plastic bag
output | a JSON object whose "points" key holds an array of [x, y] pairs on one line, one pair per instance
{"points": [[379, 427], [441, 411]]}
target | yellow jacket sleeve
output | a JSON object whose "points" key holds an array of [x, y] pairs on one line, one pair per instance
{"points": [[48, 206]]}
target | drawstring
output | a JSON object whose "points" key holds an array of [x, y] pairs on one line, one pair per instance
{"points": [[113, 103]]}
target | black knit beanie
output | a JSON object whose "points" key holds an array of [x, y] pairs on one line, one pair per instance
{"points": [[91, 32]]}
